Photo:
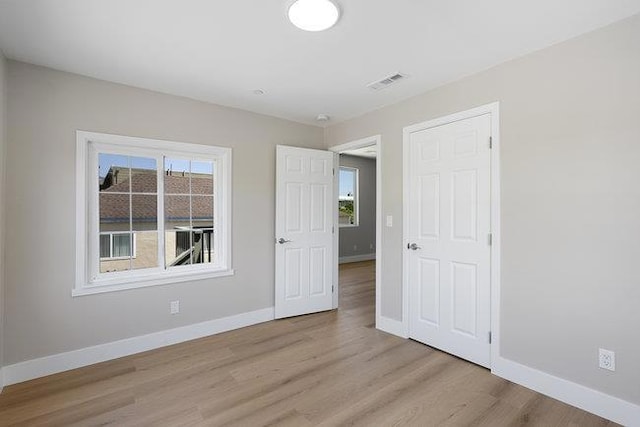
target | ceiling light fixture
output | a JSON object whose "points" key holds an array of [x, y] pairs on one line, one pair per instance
{"points": [[313, 15], [323, 118]]}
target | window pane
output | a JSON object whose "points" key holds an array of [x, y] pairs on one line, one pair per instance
{"points": [[144, 209], [177, 211], [143, 175], [347, 196], [113, 172], [178, 247], [183, 241], [202, 220], [202, 210], [120, 259], [144, 221], [121, 245], [203, 244], [346, 213], [114, 212], [146, 249], [105, 245], [114, 218], [176, 176], [347, 182], [201, 177], [178, 239]]}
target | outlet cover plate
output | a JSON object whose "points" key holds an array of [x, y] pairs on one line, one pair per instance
{"points": [[174, 307], [607, 359]]}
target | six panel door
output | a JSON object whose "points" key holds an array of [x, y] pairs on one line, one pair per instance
{"points": [[449, 250], [304, 231]]}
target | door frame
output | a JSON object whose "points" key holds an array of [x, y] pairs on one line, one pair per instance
{"points": [[494, 110], [375, 140]]}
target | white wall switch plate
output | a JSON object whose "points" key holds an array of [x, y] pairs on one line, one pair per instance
{"points": [[389, 221]]}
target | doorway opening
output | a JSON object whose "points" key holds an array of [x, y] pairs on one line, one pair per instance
{"points": [[358, 209]]}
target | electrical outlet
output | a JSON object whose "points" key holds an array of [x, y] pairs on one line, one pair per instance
{"points": [[355, 248], [371, 246], [607, 359], [389, 221], [174, 307]]}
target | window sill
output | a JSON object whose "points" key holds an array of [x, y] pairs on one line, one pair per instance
{"points": [[144, 282]]}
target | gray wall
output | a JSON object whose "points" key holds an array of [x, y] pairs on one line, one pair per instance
{"points": [[364, 235], [45, 109], [3, 110], [570, 201]]}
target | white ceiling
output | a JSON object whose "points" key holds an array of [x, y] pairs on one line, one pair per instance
{"points": [[221, 51]]}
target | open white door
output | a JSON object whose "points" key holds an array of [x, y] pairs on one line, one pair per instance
{"points": [[304, 231], [448, 246]]}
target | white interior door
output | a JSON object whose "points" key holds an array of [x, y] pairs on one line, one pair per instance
{"points": [[304, 231], [448, 243]]}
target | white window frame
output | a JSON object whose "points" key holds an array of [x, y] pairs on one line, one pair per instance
{"points": [[110, 234], [88, 279], [356, 196]]}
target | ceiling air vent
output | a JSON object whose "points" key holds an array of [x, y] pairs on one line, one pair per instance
{"points": [[387, 81]]}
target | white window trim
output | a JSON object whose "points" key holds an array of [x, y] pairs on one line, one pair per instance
{"points": [[86, 215], [356, 197]]}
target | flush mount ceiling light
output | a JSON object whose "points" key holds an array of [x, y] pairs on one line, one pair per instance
{"points": [[313, 15]]}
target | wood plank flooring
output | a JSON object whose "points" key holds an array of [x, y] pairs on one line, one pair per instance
{"points": [[326, 369]]}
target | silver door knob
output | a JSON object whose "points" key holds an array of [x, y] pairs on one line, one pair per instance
{"points": [[282, 241], [413, 246]]}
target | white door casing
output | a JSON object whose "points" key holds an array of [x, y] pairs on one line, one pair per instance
{"points": [[449, 223], [304, 231]]}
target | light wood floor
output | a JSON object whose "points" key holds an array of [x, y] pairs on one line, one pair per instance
{"points": [[331, 368]]}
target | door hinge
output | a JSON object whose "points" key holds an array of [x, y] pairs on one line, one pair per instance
{"points": [[333, 171], [333, 229], [489, 337], [490, 239], [490, 142], [332, 289]]}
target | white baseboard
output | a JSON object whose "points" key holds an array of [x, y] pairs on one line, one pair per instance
{"points": [[596, 402], [391, 326], [61, 362], [356, 258]]}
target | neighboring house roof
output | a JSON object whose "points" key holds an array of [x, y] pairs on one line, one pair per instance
{"points": [[114, 196]]}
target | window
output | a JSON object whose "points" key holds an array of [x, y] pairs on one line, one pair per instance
{"points": [[150, 212], [117, 245], [348, 197]]}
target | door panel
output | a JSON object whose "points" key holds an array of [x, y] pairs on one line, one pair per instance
{"points": [[429, 280], [465, 205], [293, 273], [318, 273], [464, 297], [429, 214], [449, 222], [304, 226]]}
